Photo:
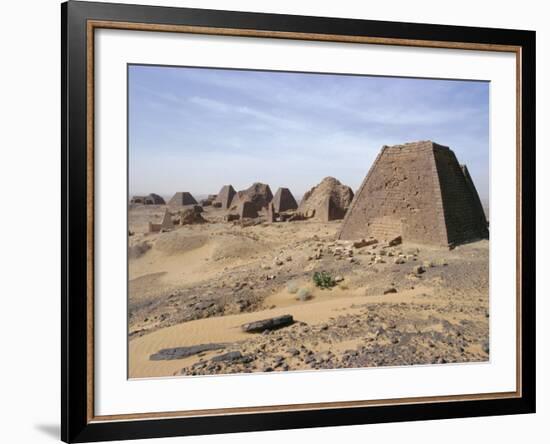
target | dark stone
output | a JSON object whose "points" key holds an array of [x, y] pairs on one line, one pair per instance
{"points": [[395, 241], [229, 356], [231, 217], [168, 354], [203, 305], [293, 352], [268, 324], [248, 210]]}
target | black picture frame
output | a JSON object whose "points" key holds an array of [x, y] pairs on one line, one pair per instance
{"points": [[76, 423]]}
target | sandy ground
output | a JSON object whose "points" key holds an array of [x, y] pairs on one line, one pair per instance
{"points": [[197, 285]]}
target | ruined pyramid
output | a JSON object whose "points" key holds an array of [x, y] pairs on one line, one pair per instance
{"points": [[420, 192]]}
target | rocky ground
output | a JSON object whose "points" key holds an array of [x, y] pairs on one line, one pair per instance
{"points": [[192, 289]]}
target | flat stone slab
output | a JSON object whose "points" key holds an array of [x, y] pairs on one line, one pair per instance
{"points": [[268, 324], [229, 356], [168, 354]]}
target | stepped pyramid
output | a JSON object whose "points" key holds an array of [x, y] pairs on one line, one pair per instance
{"points": [[284, 200], [418, 191], [182, 198]]}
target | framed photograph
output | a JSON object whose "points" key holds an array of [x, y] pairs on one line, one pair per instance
{"points": [[275, 221]]}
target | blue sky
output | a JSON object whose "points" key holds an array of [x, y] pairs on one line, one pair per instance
{"points": [[193, 129]]}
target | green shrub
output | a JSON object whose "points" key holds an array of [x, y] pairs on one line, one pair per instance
{"points": [[323, 280]]}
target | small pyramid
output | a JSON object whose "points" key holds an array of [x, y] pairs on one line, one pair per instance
{"points": [[182, 198], [225, 196], [284, 200]]}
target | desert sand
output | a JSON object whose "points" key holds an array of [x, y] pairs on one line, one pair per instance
{"points": [[196, 285]]}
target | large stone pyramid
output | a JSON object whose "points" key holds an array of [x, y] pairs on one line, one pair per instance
{"points": [[418, 191], [284, 200], [225, 196], [182, 198]]}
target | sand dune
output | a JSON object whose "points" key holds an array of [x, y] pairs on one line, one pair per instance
{"points": [[228, 328], [198, 285]]}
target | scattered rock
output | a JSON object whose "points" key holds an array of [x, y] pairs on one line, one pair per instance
{"points": [[229, 356], [293, 352], [395, 241], [419, 269], [204, 304], [190, 216], [168, 354], [365, 243], [390, 290], [268, 324]]}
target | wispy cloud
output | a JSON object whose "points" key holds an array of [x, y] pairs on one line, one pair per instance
{"points": [[290, 129]]}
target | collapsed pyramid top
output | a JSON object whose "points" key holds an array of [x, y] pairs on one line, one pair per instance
{"points": [[258, 193], [328, 200], [418, 191]]}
